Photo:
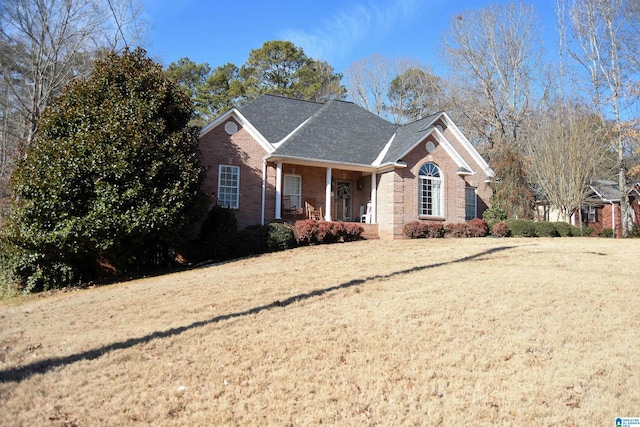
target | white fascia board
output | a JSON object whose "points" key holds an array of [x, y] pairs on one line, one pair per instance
{"points": [[448, 148], [467, 145], [384, 151], [246, 124]]}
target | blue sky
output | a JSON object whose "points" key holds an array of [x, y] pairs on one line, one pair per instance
{"points": [[339, 32]]}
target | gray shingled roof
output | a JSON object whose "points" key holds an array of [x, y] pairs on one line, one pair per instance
{"points": [[336, 131], [340, 132], [276, 117], [406, 138], [607, 189]]}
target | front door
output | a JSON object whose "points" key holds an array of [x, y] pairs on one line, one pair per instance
{"points": [[342, 201]]}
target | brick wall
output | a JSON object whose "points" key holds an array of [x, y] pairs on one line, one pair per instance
{"points": [[240, 149]]}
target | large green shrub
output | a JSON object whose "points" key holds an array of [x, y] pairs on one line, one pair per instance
{"points": [[545, 229], [112, 176], [279, 237], [217, 235], [521, 227], [564, 229]]}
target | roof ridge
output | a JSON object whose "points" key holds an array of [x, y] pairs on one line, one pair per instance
{"points": [[306, 123]]}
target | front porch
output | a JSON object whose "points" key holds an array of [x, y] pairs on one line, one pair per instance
{"points": [[339, 194]]}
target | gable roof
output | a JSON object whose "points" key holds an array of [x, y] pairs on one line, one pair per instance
{"points": [[275, 117], [341, 132]]}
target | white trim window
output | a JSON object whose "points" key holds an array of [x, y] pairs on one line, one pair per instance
{"points": [[293, 189], [430, 192], [229, 186], [470, 203]]}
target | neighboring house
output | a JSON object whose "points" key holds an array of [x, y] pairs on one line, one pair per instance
{"points": [[601, 208], [340, 158]]}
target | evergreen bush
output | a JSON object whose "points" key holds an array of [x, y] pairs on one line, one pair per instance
{"points": [[545, 229], [279, 237], [112, 176], [563, 229], [521, 227]]}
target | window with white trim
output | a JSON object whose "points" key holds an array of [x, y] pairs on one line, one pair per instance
{"points": [[590, 214], [293, 189], [229, 186], [430, 190], [470, 203]]}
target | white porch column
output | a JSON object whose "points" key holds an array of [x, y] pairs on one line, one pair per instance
{"points": [[327, 196], [264, 189], [279, 190], [374, 198]]}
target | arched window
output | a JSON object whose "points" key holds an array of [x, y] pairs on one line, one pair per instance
{"points": [[429, 190]]}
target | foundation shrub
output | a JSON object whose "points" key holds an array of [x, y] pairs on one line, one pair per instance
{"points": [[250, 241], [501, 229], [586, 231], [218, 232], [456, 230], [304, 231], [423, 230], [352, 231], [328, 232], [607, 232], [521, 227], [477, 228], [279, 237], [545, 229], [563, 229]]}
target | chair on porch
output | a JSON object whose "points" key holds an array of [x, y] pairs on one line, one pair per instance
{"points": [[312, 212], [365, 216], [290, 211]]}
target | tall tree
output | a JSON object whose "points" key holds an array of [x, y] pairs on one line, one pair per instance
{"points": [[112, 172], [607, 36], [47, 43], [567, 150], [494, 53], [281, 68], [414, 94], [368, 82]]}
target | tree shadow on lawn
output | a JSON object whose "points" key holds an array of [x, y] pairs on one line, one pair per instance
{"points": [[43, 366]]}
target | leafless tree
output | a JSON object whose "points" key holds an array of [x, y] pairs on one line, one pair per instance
{"points": [[607, 40], [565, 152], [494, 53], [367, 82]]}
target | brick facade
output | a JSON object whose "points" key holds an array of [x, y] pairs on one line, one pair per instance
{"points": [[397, 189]]}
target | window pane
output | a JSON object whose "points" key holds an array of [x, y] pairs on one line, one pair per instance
{"points": [[229, 186], [470, 203], [293, 188], [429, 190]]}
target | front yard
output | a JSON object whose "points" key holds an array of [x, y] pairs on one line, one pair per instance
{"points": [[526, 332]]}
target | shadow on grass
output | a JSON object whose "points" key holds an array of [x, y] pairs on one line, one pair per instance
{"points": [[43, 366]]}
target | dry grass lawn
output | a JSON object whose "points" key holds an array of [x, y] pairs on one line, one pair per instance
{"points": [[521, 332]]}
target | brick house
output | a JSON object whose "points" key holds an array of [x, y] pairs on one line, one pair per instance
{"points": [[344, 160], [601, 209]]}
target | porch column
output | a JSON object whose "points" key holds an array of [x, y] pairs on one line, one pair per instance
{"points": [[279, 190], [264, 189], [374, 198], [327, 196]]}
